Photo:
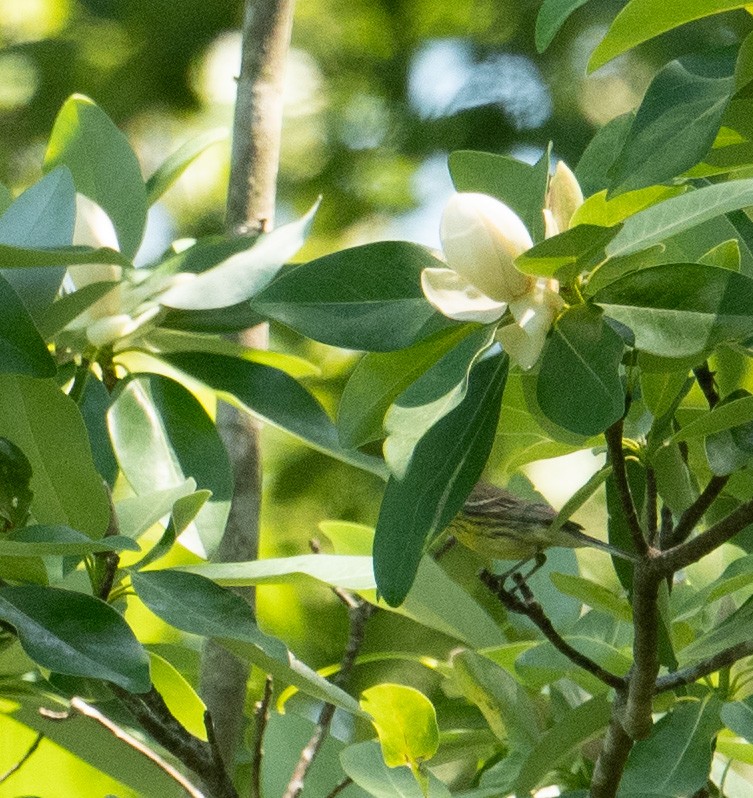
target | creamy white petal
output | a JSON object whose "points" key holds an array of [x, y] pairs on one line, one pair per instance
{"points": [[550, 225], [457, 299], [481, 238], [533, 315], [565, 195]]}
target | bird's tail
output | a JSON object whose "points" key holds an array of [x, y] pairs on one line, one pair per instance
{"points": [[587, 540]]}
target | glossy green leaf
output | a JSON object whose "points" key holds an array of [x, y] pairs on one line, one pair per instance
{"points": [[598, 210], [276, 397], [660, 389], [565, 255], [364, 764], [681, 309], [430, 398], [171, 169], [367, 297], [593, 595], [36, 541], [678, 214], [729, 413], [342, 571], [380, 377], [244, 274], [42, 217], [446, 464], [195, 605], [519, 185], [162, 435], [406, 723], [580, 497], [103, 165], [725, 255], [641, 20], [578, 384], [676, 758], [181, 699], [12, 257], [552, 16], [75, 634], [563, 742], [506, 706], [47, 426], [601, 153], [676, 123], [22, 350], [136, 514], [674, 481]]}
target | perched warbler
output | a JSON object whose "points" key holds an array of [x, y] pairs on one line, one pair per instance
{"points": [[500, 525]]}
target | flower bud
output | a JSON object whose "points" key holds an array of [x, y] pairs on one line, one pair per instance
{"points": [[481, 238], [565, 196], [108, 329]]}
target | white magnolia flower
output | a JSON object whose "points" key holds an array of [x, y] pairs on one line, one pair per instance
{"points": [[481, 238]]}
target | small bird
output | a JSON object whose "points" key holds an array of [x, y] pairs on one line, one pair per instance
{"points": [[500, 525]]}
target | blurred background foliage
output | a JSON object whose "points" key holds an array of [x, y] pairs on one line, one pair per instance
{"points": [[378, 92]]}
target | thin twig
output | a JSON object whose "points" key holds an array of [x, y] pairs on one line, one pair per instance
{"points": [[23, 760], [359, 612], [346, 782], [706, 667], [106, 562], [261, 715], [695, 512], [667, 524], [613, 437], [80, 706], [150, 710], [528, 606], [652, 521], [705, 379]]}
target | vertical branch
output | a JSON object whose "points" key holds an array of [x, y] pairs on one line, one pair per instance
{"points": [[250, 208], [612, 759]]}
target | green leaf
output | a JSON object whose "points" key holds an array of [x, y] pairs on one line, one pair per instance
{"points": [[594, 595], [43, 216], [552, 16], [641, 20], [65, 309], [676, 758], [732, 411], [430, 398], [136, 514], [506, 706], [171, 169], [725, 255], [681, 309], [193, 604], [380, 377], [12, 257], [75, 634], [244, 274], [364, 764], [734, 629], [600, 154], [350, 572], [678, 214], [406, 723], [103, 166], [47, 426], [565, 255], [598, 210], [674, 480], [22, 350], [446, 464], [578, 384], [676, 123], [181, 699], [519, 185], [162, 435], [367, 297], [738, 717], [276, 397], [659, 389], [37, 541], [562, 743], [580, 497]]}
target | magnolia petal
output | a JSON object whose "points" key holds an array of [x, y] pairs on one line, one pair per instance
{"points": [[457, 299], [565, 195], [533, 315], [550, 224], [481, 238]]}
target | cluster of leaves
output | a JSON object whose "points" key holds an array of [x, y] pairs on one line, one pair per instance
{"points": [[105, 433]]}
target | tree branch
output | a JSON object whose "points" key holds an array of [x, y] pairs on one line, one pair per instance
{"points": [[652, 501], [250, 208], [262, 717], [706, 667], [705, 379], [691, 551], [612, 758], [528, 606], [613, 437], [695, 512]]}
